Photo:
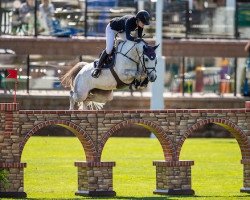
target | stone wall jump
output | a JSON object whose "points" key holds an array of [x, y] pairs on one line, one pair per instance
{"points": [[93, 129]]}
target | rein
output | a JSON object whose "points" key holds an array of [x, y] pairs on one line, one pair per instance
{"points": [[125, 55]]}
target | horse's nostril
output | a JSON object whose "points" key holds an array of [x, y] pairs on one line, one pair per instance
{"points": [[152, 79]]}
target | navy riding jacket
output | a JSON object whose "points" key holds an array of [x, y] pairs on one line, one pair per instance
{"points": [[127, 23]]}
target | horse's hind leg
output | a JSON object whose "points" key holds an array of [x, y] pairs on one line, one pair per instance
{"points": [[72, 101], [76, 98], [82, 106]]}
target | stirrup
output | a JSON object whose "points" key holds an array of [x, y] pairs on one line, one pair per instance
{"points": [[96, 73]]}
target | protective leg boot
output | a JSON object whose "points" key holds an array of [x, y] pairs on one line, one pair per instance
{"points": [[97, 71]]}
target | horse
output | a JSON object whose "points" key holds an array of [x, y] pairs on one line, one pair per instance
{"points": [[133, 61]]}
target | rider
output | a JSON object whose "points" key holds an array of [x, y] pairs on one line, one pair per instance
{"points": [[123, 24]]}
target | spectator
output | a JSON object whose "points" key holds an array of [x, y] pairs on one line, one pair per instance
{"points": [[26, 13], [16, 22], [199, 83], [46, 13], [224, 76]]}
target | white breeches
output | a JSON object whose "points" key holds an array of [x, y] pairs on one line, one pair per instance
{"points": [[110, 38]]}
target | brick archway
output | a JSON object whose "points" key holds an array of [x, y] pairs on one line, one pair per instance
{"points": [[85, 139], [238, 133], [93, 129], [164, 139]]}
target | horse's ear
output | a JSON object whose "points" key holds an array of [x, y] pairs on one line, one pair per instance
{"points": [[156, 46]]}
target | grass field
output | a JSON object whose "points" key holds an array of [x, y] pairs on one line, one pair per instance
{"points": [[50, 171]]}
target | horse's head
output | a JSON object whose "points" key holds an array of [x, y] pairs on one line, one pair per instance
{"points": [[142, 56], [150, 61]]}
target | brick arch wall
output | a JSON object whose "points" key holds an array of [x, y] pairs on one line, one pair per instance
{"points": [[85, 139], [93, 128], [163, 137], [238, 133]]}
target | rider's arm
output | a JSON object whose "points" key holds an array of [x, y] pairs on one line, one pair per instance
{"points": [[128, 28], [140, 30]]}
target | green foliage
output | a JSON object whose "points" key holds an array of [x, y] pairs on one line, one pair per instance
{"points": [[50, 172], [3, 177]]}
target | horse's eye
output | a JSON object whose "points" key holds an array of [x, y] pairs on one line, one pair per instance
{"points": [[155, 62], [146, 59]]}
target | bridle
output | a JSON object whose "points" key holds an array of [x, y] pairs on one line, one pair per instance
{"points": [[147, 70]]}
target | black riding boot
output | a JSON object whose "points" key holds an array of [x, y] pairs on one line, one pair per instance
{"points": [[97, 71]]}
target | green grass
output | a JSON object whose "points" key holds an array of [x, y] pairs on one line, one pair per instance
{"points": [[50, 171]]}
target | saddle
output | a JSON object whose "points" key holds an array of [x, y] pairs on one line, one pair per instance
{"points": [[109, 62]]}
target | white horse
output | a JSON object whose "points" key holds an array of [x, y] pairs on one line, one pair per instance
{"points": [[133, 61]]}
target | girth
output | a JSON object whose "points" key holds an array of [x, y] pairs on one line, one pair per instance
{"points": [[120, 84]]}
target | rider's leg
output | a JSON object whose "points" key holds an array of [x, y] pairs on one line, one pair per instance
{"points": [[110, 36], [96, 73]]}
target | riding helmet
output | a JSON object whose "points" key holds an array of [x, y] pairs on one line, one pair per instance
{"points": [[143, 16]]}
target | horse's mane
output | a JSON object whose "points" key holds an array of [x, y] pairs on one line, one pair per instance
{"points": [[144, 41], [67, 79], [149, 50]]}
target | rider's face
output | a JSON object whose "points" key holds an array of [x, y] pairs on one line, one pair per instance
{"points": [[139, 23]]}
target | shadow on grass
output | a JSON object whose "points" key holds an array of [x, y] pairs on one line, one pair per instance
{"points": [[117, 197], [222, 196], [102, 198], [148, 198]]}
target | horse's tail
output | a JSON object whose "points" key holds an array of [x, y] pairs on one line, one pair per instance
{"points": [[68, 78]]}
